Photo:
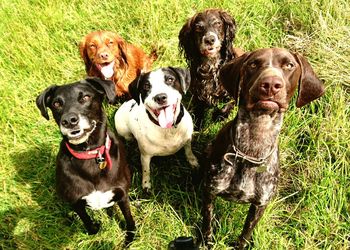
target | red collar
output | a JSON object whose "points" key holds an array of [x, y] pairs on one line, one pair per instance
{"points": [[95, 154]]}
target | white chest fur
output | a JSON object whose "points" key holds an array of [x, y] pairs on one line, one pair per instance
{"points": [[97, 199]]}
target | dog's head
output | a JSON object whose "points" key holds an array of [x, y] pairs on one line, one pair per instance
{"points": [[103, 52], [76, 107], [160, 91], [266, 80], [207, 34]]}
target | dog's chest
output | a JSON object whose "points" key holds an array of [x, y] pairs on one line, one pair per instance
{"points": [[236, 178], [98, 200], [157, 141], [245, 182]]}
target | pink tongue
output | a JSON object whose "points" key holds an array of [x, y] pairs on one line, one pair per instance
{"points": [[166, 117], [107, 70]]}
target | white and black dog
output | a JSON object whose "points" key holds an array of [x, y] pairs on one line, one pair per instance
{"points": [[156, 118]]}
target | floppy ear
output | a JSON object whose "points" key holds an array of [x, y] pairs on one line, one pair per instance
{"points": [[310, 86], [187, 45], [184, 76], [134, 88], [122, 46], [106, 87], [84, 55], [230, 76], [43, 100], [229, 26]]}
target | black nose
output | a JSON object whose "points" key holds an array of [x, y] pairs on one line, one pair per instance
{"points": [[104, 55], [209, 40], [69, 120], [161, 98]]}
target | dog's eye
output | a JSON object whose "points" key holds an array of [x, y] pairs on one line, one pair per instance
{"points": [[170, 80], [217, 23], [147, 86], [57, 104], [253, 65], [86, 98], [110, 43], [288, 66], [199, 27], [92, 46]]}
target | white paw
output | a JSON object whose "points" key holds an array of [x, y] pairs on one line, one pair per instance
{"points": [[193, 161]]}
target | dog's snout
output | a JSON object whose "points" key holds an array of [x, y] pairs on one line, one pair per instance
{"points": [[104, 55], [70, 120], [209, 39], [270, 85], [161, 98]]}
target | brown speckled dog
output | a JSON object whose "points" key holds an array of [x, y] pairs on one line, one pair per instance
{"points": [[242, 162]]}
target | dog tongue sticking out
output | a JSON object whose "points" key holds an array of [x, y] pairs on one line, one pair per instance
{"points": [[107, 70], [166, 117]]}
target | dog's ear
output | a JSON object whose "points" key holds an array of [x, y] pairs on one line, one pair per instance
{"points": [[187, 45], [106, 87], [230, 76], [310, 86], [184, 77], [43, 100], [134, 88], [84, 55], [229, 26]]}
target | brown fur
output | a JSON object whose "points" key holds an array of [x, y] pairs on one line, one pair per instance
{"points": [[100, 47], [262, 82]]}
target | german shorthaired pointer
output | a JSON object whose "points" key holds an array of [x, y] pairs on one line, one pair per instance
{"points": [[91, 167], [242, 162], [206, 42]]}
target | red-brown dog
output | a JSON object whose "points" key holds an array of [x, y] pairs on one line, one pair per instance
{"points": [[108, 56]]}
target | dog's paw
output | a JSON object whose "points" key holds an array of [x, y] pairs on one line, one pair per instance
{"points": [[193, 161], [93, 228]]}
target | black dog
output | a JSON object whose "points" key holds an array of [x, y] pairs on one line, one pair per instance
{"points": [[206, 42], [91, 164], [243, 164]]}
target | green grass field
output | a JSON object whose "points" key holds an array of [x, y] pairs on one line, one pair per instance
{"points": [[38, 47]]}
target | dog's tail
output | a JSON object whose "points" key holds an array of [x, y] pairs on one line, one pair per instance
{"points": [[156, 52]]}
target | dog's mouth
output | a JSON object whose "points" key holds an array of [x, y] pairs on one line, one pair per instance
{"points": [[106, 69], [210, 51], [79, 135], [164, 115], [267, 105]]}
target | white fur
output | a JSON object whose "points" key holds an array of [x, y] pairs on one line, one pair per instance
{"points": [[85, 128], [131, 120], [97, 199]]}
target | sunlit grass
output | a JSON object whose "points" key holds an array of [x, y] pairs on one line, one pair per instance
{"points": [[38, 47]]}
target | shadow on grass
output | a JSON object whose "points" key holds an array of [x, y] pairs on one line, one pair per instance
{"points": [[45, 223]]}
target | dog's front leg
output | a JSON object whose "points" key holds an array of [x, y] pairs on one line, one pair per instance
{"points": [[191, 158], [124, 205], [207, 214], [146, 179], [254, 215], [79, 208]]}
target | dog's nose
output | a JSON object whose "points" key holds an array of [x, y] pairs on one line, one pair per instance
{"points": [[209, 40], [161, 98], [270, 85], [69, 120], [104, 55]]}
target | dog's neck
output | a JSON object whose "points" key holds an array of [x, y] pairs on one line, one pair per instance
{"points": [[256, 132]]}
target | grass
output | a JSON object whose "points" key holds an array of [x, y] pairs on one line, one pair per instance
{"points": [[38, 47]]}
